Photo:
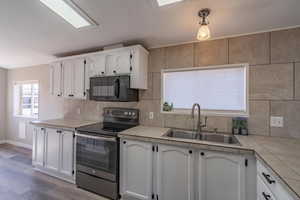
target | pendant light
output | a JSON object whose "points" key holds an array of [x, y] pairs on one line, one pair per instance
{"points": [[203, 32]]}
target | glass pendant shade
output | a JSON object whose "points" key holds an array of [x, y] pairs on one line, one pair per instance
{"points": [[203, 33]]}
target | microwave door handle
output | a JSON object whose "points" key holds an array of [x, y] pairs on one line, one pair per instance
{"points": [[117, 88]]}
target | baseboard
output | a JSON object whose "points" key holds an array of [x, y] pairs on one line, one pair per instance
{"points": [[19, 144]]}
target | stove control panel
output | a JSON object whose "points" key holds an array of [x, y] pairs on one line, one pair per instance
{"points": [[129, 113]]}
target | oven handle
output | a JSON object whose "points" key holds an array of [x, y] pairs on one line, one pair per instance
{"points": [[96, 137]]}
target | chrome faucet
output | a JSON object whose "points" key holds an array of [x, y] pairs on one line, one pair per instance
{"points": [[199, 123]]}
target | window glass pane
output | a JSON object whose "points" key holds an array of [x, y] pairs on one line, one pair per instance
{"points": [[213, 89]]}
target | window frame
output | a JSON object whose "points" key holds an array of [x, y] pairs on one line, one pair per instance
{"points": [[221, 113], [18, 110]]}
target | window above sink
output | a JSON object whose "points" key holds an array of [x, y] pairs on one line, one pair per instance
{"points": [[220, 90]]}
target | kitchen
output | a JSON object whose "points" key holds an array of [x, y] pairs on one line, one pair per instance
{"points": [[116, 121]]}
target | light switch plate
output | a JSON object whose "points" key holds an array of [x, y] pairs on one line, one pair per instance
{"points": [[276, 121], [151, 115]]}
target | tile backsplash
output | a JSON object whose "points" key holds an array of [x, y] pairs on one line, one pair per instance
{"points": [[274, 60]]}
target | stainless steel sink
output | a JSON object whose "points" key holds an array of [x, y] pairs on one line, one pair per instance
{"points": [[205, 136]]}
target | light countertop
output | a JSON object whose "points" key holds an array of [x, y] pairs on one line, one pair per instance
{"points": [[281, 155], [63, 123]]}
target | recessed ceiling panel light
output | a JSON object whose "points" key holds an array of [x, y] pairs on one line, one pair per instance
{"points": [[69, 12], [166, 2]]}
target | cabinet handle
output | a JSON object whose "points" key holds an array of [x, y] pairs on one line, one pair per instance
{"points": [[71, 95], [266, 196], [268, 178], [58, 131], [157, 197], [42, 129], [58, 95], [102, 72]]}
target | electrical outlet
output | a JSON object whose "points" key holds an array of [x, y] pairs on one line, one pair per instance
{"points": [[151, 115], [276, 121]]}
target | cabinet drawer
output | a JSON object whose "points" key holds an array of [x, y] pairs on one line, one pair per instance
{"points": [[272, 182], [263, 192]]}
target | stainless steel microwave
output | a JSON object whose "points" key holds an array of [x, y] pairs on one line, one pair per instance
{"points": [[112, 88]]}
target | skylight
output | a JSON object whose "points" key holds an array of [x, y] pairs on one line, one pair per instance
{"points": [[69, 12], [166, 2]]}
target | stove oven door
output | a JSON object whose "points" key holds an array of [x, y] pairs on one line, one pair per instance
{"points": [[97, 156]]}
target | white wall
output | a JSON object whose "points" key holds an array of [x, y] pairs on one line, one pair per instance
{"points": [[3, 86], [49, 107]]}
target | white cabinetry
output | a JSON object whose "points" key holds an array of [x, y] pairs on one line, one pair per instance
{"points": [[161, 171], [53, 152], [119, 62], [56, 79], [137, 172], [74, 78], [175, 172], [70, 77], [221, 176], [38, 146], [52, 149], [268, 185]]}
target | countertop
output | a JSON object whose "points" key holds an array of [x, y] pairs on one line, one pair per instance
{"points": [[281, 155], [63, 123]]}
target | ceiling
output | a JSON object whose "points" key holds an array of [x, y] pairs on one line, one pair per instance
{"points": [[31, 34]]}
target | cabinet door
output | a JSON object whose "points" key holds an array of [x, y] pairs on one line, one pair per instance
{"points": [[118, 62], [56, 79], [175, 171], [78, 86], [52, 149], [38, 150], [221, 176], [66, 153], [68, 78], [95, 66], [136, 170]]}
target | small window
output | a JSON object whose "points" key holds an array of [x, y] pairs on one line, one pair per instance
{"points": [[26, 99], [220, 90]]}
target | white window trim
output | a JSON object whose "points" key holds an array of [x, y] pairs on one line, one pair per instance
{"points": [[223, 113], [25, 116]]}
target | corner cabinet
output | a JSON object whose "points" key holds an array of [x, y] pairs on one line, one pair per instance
{"points": [[166, 172], [53, 152]]}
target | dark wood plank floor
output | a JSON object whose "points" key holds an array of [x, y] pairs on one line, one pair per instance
{"points": [[18, 180]]}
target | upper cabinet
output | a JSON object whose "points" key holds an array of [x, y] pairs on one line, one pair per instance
{"points": [[70, 76], [56, 79], [74, 78]]}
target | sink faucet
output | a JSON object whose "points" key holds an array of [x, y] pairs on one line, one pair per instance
{"points": [[199, 123]]}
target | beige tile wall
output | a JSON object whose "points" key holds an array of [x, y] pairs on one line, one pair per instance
{"points": [[274, 60]]}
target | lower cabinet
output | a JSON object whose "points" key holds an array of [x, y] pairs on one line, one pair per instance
{"points": [[221, 176], [53, 152], [166, 172]]}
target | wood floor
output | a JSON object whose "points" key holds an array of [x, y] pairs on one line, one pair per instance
{"points": [[18, 180]]}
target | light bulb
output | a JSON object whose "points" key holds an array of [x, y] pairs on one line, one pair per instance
{"points": [[203, 32]]}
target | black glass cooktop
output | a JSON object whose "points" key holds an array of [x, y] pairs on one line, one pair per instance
{"points": [[111, 129]]}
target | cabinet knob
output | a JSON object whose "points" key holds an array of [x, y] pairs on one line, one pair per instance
{"points": [[124, 142], [202, 153], [58, 95], [102, 72], [190, 151], [114, 71]]}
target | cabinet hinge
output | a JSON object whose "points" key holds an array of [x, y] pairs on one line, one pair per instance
{"points": [[246, 162]]}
